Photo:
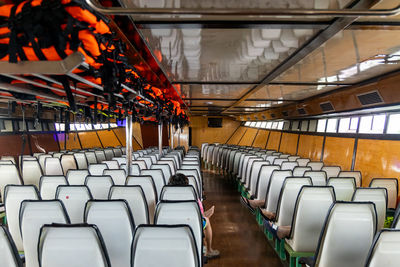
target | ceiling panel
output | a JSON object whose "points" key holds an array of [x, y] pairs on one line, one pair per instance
{"points": [[213, 90], [207, 103]]}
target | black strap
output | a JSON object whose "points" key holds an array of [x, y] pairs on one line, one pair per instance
{"points": [[65, 82]]}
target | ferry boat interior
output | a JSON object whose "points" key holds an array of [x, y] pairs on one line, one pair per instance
{"points": [[188, 133]]}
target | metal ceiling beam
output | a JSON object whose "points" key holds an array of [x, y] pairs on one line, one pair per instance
{"points": [[363, 11], [236, 99], [294, 83], [311, 45]]}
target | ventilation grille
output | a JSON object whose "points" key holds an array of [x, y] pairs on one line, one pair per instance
{"points": [[326, 106], [370, 98], [273, 115], [285, 113], [301, 111]]}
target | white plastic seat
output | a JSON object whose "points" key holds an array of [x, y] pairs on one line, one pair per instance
{"points": [[109, 153], [279, 161], [52, 166], [140, 163], [264, 178], [31, 172], [385, 250], [274, 189], [99, 186], [165, 169], [91, 157], [158, 178], [118, 176], [81, 160], [115, 222], [392, 187], [315, 165], [149, 189], [74, 198], [318, 177], [68, 162], [331, 171], [48, 185], [111, 164], [42, 158], [5, 162], [246, 176], [57, 155], [72, 245], [100, 156], [33, 215], [344, 187], [289, 165], [77, 177], [355, 174], [170, 163], [293, 158], [9, 256], [14, 195], [287, 199], [178, 193], [302, 162], [347, 235], [117, 152], [284, 156], [8, 175], [312, 206], [299, 171], [182, 212], [376, 195], [147, 161], [8, 158], [168, 245], [120, 160], [254, 175], [195, 174], [97, 169], [191, 167], [134, 196]]}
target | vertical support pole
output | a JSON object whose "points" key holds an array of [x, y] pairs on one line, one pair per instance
{"points": [[160, 130], [128, 133], [172, 135]]}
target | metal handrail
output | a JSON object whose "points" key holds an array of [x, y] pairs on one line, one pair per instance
{"points": [[244, 12]]}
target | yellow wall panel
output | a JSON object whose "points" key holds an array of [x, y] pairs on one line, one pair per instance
{"points": [[72, 141], [137, 134], [120, 133], [248, 138], [108, 138], [377, 159], [237, 136], [289, 143], [89, 139], [261, 139], [181, 137], [273, 141], [310, 146], [339, 152]]}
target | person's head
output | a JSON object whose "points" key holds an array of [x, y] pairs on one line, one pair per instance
{"points": [[178, 179]]}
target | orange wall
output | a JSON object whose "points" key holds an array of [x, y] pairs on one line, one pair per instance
{"points": [[89, 139], [261, 139], [120, 133], [43, 142], [248, 138], [273, 141], [289, 143], [339, 151], [377, 159], [108, 138], [310, 146], [234, 140], [72, 141], [137, 134]]}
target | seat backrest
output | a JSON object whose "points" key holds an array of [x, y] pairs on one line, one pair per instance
{"points": [[182, 212], [52, 166], [8, 252], [109, 153], [312, 206], [118, 176], [385, 249], [77, 177], [165, 169], [392, 187], [191, 167], [74, 198], [287, 199], [170, 162], [68, 245], [81, 160], [250, 164], [318, 177], [57, 155], [289, 165], [5, 162], [115, 222], [378, 196], [284, 156], [158, 178], [42, 158], [149, 189], [264, 179], [111, 164], [120, 160], [8, 158], [141, 163], [97, 169], [195, 174], [255, 172], [331, 171], [169, 245], [91, 157], [315, 165], [299, 171], [31, 172], [293, 158], [274, 189], [303, 162], [344, 187], [48, 185], [100, 156], [117, 152], [347, 235], [355, 174], [8, 175], [14, 195], [68, 162], [178, 193], [99, 186], [147, 161], [279, 161], [134, 196], [33, 215]]}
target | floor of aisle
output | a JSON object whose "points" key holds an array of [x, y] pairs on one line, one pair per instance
{"points": [[235, 231]]}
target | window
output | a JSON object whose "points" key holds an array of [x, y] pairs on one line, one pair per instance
{"points": [[312, 127], [332, 126], [258, 124], [60, 127], [72, 127], [247, 123], [394, 124], [295, 125], [348, 125], [275, 125], [280, 125], [269, 125], [304, 126], [97, 126], [321, 125], [372, 124], [104, 125], [88, 127], [113, 125], [80, 126], [263, 124], [286, 125]]}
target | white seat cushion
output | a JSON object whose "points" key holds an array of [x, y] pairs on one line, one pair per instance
{"points": [[147, 184], [74, 198], [99, 186], [49, 184], [8, 252], [77, 177]]}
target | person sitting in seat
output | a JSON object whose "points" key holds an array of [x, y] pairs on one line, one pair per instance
{"points": [[181, 179]]}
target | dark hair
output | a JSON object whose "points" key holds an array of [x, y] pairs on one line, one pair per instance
{"points": [[178, 179]]}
